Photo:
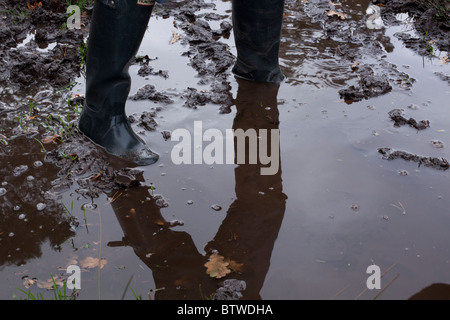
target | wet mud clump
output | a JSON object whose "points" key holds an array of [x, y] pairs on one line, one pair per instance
{"points": [[431, 21], [399, 120], [231, 289], [211, 58], [352, 40], [369, 85], [432, 162], [36, 46], [148, 92]]}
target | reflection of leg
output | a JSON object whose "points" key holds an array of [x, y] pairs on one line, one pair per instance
{"points": [[248, 233], [257, 31], [115, 34], [176, 264]]}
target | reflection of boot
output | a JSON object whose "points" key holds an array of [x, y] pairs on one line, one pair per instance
{"points": [[247, 235], [176, 264], [115, 34], [257, 31]]}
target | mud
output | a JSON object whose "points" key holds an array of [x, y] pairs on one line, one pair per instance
{"points": [[26, 66], [359, 39], [429, 23], [432, 162], [370, 85], [35, 181], [399, 120], [209, 56]]}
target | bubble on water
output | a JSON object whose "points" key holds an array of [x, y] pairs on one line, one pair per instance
{"points": [[175, 223], [30, 178], [16, 207], [4, 184], [216, 207], [89, 206], [437, 144], [190, 202], [160, 202], [403, 172], [41, 206], [385, 217], [2, 191], [11, 234], [22, 216], [37, 164], [19, 170], [354, 207]]}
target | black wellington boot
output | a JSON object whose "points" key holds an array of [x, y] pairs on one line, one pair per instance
{"points": [[115, 34], [257, 30]]}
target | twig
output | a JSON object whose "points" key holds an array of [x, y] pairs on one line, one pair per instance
{"points": [[341, 291], [382, 275], [401, 207], [114, 198], [387, 285]]}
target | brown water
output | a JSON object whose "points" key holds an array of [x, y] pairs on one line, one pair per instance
{"points": [[309, 232]]}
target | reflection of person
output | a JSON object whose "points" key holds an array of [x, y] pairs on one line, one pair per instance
{"points": [[435, 291], [246, 236], [248, 232], [116, 31]]}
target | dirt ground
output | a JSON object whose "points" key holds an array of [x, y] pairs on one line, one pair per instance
{"points": [[39, 113]]}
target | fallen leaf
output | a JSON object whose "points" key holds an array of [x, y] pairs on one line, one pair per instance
{"points": [[175, 37], [304, 1], [355, 65], [335, 4], [91, 262], [49, 283], [34, 6], [235, 266], [217, 267], [341, 15], [27, 282], [51, 139], [445, 60]]}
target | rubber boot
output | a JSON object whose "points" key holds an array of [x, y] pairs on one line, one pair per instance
{"points": [[257, 31], [116, 31]]}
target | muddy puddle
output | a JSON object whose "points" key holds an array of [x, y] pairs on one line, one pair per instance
{"points": [[363, 174]]}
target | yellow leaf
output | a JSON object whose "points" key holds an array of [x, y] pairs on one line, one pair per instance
{"points": [[341, 15], [51, 139], [217, 267], [91, 262], [49, 283], [175, 37]]}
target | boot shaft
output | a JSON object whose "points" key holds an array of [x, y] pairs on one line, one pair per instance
{"points": [[257, 28]]}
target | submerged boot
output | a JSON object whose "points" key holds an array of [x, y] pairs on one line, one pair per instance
{"points": [[257, 30], [116, 32]]}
